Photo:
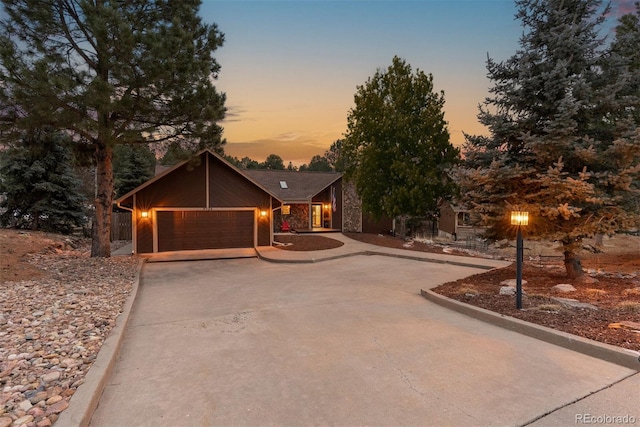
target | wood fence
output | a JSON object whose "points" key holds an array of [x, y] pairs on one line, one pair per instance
{"points": [[121, 226]]}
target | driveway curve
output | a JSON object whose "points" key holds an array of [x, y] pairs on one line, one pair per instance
{"points": [[343, 342]]}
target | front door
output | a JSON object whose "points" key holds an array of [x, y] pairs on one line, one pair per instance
{"points": [[316, 216]]}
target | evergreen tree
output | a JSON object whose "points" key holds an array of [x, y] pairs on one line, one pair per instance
{"points": [[273, 161], [561, 145], [291, 167], [175, 154], [40, 187], [133, 165], [319, 164], [110, 72], [397, 143], [334, 156]]}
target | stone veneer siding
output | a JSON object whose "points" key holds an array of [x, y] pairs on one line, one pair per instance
{"points": [[352, 209], [298, 219]]}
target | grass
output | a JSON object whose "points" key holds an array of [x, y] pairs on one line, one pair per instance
{"points": [[629, 306], [553, 308], [468, 291]]}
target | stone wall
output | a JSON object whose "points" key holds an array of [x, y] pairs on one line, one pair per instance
{"points": [[352, 205], [298, 219]]}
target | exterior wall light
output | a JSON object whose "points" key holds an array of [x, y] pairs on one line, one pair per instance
{"points": [[519, 218], [144, 214], [263, 214]]}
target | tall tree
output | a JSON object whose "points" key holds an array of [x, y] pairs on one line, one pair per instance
{"points": [[397, 143], [41, 190], [319, 163], [133, 164], [335, 157], [273, 161], [562, 146], [111, 72], [174, 154]]}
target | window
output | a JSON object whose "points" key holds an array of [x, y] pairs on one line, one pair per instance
{"points": [[286, 209], [283, 185]]}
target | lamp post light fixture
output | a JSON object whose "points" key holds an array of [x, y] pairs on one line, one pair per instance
{"points": [[519, 218]]}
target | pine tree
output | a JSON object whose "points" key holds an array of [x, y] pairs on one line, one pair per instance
{"points": [[40, 187], [133, 165], [110, 72], [561, 145]]}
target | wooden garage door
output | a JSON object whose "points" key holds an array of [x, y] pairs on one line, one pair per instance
{"points": [[189, 230]]}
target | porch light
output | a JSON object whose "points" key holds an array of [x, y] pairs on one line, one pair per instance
{"points": [[519, 218], [144, 214], [263, 214]]}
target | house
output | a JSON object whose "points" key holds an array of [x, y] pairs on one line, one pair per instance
{"points": [[455, 222], [202, 203], [310, 200]]}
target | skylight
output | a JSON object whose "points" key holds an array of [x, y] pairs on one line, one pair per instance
{"points": [[283, 185]]}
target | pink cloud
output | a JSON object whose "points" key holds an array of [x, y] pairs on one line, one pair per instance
{"points": [[622, 7]]}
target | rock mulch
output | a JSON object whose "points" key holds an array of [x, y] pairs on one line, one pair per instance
{"points": [[52, 328]]}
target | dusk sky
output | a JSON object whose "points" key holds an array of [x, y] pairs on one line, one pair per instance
{"points": [[290, 68]]}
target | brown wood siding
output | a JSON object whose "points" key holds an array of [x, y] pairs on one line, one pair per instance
{"points": [[193, 230], [384, 225], [184, 187], [324, 197], [227, 188], [337, 215], [447, 220], [144, 235], [264, 231]]}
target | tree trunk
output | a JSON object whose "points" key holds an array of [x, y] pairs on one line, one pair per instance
{"points": [[572, 262], [101, 231]]}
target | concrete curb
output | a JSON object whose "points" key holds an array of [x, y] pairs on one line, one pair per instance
{"points": [[627, 358], [370, 253], [84, 402]]}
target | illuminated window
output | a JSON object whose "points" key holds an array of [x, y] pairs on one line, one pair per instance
{"points": [[286, 210]]}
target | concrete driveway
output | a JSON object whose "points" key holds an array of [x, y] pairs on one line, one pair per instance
{"points": [[342, 342]]}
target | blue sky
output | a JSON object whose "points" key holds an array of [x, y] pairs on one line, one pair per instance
{"points": [[290, 68]]}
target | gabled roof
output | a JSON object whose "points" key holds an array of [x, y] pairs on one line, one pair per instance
{"points": [[167, 171], [301, 187]]}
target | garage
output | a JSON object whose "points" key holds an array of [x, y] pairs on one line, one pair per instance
{"points": [[193, 230], [200, 204]]}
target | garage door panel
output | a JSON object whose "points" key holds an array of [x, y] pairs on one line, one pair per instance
{"points": [[192, 230]]}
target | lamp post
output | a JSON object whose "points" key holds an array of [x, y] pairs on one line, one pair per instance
{"points": [[519, 218]]}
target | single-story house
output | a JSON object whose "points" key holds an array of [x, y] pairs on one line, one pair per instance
{"points": [[310, 200], [208, 203], [202, 203]]}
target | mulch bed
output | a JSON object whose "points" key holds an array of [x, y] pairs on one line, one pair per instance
{"points": [[305, 242]]}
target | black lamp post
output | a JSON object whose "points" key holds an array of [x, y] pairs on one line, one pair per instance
{"points": [[519, 218]]}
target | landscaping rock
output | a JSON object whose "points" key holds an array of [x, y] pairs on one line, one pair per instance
{"points": [[574, 303], [509, 290], [50, 334], [512, 282], [563, 288]]}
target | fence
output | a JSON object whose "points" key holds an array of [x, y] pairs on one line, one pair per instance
{"points": [[121, 226]]}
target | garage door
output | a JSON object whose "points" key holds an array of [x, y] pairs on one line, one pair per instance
{"points": [[189, 230]]}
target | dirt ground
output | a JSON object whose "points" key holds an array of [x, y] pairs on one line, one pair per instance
{"points": [[612, 288], [16, 244]]}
